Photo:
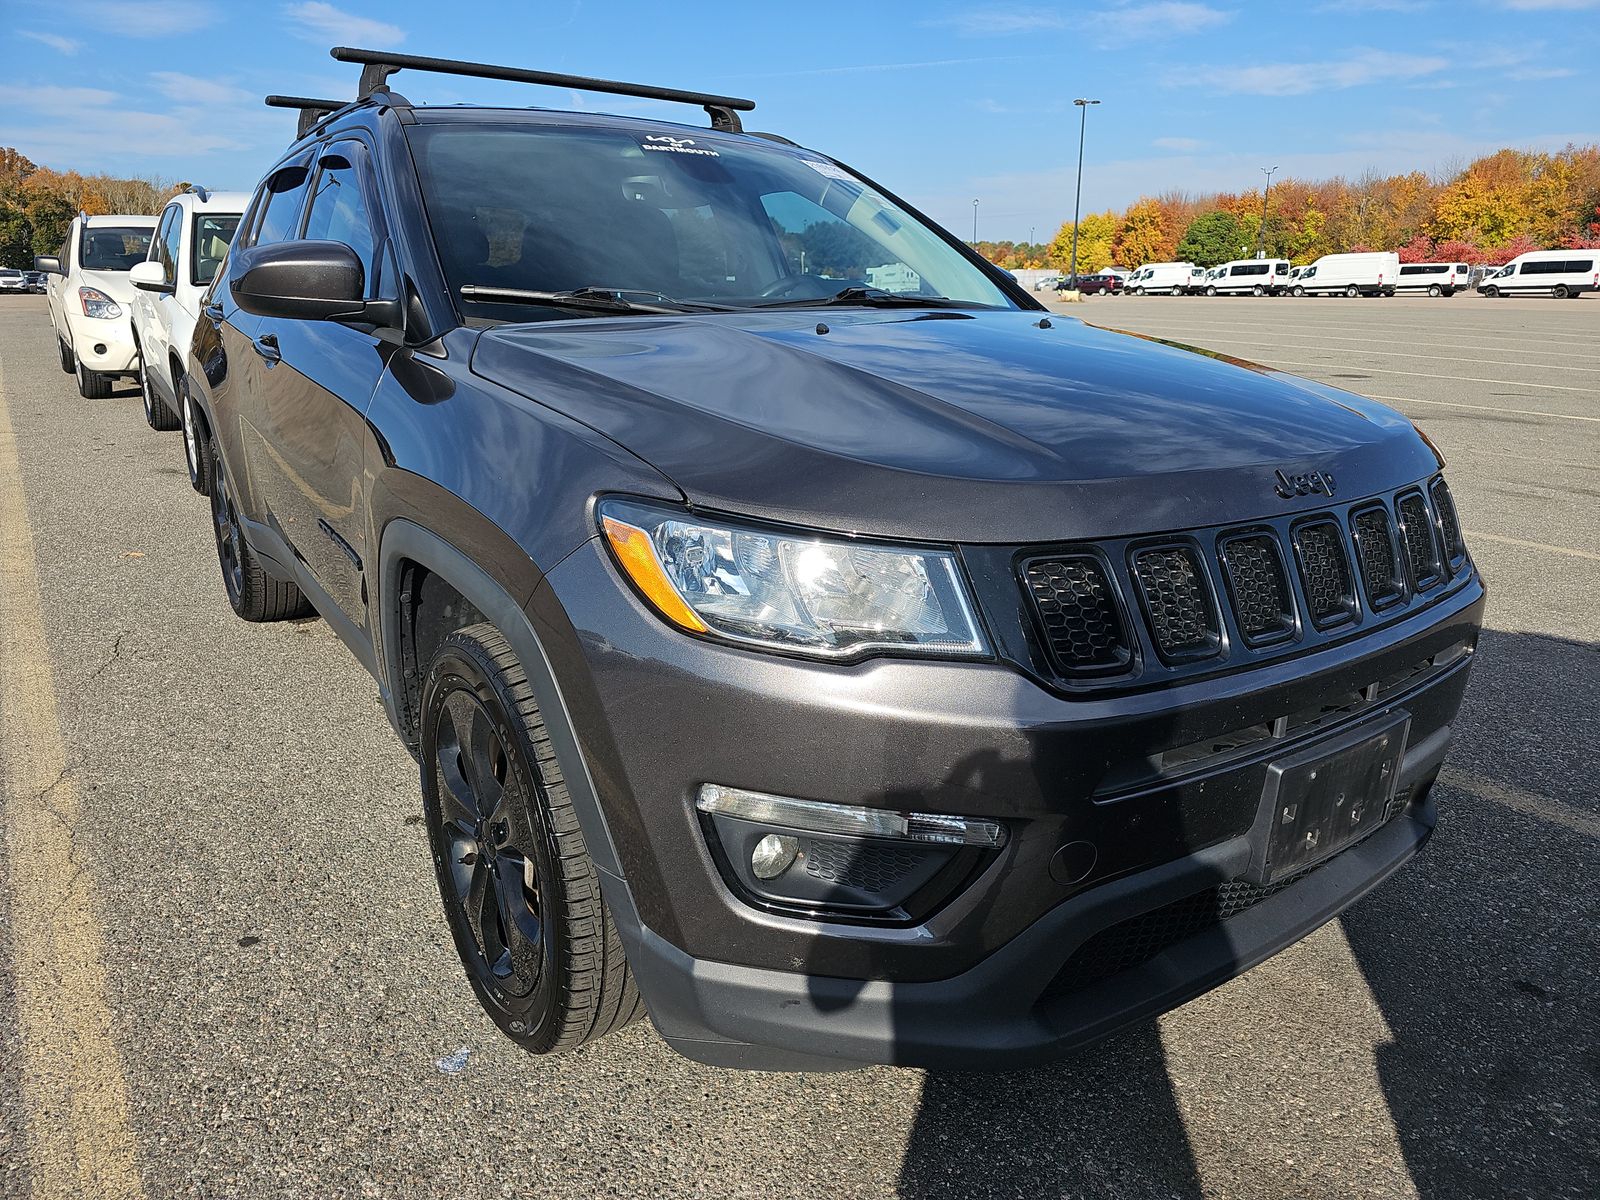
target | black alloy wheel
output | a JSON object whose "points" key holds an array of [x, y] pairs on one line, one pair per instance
{"points": [[252, 593], [231, 549], [520, 893]]}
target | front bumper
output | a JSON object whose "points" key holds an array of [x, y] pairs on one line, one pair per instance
{"points": [[971, 982], [105, 345]]}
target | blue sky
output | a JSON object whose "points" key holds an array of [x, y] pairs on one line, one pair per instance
{"points": [[943, 102]]}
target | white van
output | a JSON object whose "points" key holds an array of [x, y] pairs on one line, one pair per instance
{"points": [[1169, 277], [1437, 279], [1257, 276], [1561, 273], [1370, 274], [1198, 278]]}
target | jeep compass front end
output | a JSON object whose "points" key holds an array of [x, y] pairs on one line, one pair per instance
{"points": [[804, 636]]}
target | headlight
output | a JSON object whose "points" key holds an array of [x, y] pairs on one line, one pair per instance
{"points": [[823, 596], [97, 304]]}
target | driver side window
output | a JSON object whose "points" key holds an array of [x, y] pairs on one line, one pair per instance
{"points": [[339, 210]]}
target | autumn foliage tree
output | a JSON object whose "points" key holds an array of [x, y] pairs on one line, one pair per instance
{"points": [[37, 204]]}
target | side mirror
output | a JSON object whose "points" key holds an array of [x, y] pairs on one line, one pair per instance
{"points": [[150, 276], [307, 281], [48, 263]]}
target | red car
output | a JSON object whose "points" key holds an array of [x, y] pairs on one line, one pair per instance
{"points": [[1091, 285]]}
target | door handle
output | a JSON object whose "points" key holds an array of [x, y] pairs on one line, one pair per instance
{"points": [[213, 313], [267, 347]]}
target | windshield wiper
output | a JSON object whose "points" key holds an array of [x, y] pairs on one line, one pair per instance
{"points": [[596, 299], [873, 298]]}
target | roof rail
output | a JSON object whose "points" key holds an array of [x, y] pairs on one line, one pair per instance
{"points": [[196, 189], [378, 65], [311, 110]]}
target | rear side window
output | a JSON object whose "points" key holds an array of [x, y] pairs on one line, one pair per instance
{"points": [[339, 210], [212, 234], [279, 206]]}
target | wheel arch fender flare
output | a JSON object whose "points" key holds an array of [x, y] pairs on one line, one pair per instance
{"points": [[404, 540]]}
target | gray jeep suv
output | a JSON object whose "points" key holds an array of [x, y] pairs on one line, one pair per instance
{"points": [[805, 638]]}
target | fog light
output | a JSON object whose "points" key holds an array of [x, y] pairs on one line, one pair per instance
{"points": [[772, 856], [815, 816]]}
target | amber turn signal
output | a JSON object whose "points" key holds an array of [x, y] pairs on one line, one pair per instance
{"points": [[637, 557]]}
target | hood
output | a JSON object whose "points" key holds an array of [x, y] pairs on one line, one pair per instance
{"points": [[952, 426]]}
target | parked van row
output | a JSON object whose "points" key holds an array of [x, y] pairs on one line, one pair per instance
{"points": [[1558, 273]]}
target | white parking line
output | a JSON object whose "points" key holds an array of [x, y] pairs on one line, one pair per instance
{"points": [[1527, 545], [1471, 333], [1386, 353], [1523, 412], [1367, 340], [1435, 375]]}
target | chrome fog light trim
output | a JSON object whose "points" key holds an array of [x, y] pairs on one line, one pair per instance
{"points": [[815, 816]]}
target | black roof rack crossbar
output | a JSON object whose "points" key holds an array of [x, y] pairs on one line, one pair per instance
{"points": [[378, 65], [311, 110]]}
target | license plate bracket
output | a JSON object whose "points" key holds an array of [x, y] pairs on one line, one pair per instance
{"points": [[1326, 797]]}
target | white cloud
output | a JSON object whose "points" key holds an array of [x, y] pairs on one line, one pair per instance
{"points": [[147, 18], [1166, 18], [1370, 6], [1186, 145], [50, 98], [324, 23], [193, 89], [1549, 5], [1298, 79], [998, 22], [54, 40]]}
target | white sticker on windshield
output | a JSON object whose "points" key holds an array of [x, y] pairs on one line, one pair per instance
{"points": [[675, 145], [828, 170]]}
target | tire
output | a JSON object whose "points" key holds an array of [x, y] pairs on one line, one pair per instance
{"points": [[156, 413], [69, 361], [1211, 291], [1561, 291], [1138, 291], [520, 893], [254, 595], [1435, 290], [1258, 290], [1298, 292], [93, 385], [1491, 292], [1352, 291], [1176, 291], [196, 447]]}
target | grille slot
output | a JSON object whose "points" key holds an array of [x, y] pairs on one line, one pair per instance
{"points": [[1262, 603], [1325, 572], [1416, 533], [1076, 606], [1455, 547], [869, 867], [1375, 552], [1183, 622]]}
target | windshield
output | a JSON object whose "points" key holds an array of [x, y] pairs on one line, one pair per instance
{"points": [[701, 220], [107, 248], [212, 233]]}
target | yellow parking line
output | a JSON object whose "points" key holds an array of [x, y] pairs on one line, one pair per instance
{"points": [[79, 1138]]}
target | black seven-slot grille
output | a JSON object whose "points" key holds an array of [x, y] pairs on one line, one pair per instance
{"points": [[1079, 613], [1177, 601], [1290, 581], [1416, 531], [1380, 566], [1262, 602], [1325, 572]]}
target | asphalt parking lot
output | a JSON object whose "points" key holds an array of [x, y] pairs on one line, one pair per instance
{"points": [[223, 971]]}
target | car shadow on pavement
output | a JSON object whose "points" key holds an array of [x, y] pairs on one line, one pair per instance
{"points": [[1101, 1123], [1482, 952]]}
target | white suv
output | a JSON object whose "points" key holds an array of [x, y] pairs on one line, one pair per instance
{"points": [[189, 245], [89, 296]]}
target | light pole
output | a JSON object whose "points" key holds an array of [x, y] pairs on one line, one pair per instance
{"points": [[1077, 202], [1261, 234], [974, 224]]}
